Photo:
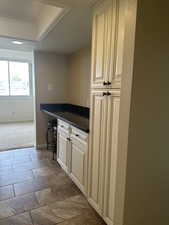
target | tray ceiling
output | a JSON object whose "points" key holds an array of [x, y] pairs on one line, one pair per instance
{"points": [[47, 25], [28, 20]]}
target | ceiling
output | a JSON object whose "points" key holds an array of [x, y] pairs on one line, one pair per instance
{"points": [[28, 20], [70, 34], [69, 3], [67, 29], [24, 10]]}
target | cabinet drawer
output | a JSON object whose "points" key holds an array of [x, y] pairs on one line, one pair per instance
{"points": [[63, 125], [79, 134]]}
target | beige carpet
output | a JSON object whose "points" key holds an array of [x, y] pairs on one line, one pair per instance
{"points": [[16, 135]]}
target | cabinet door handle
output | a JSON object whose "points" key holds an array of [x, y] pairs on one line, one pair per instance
{"points": [[62, 126], [108, 93], [68, 139], [76, 135], [104, 93], [105, 83], [108, 83]]}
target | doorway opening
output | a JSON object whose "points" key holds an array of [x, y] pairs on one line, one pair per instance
{"points": [[17, 123]]}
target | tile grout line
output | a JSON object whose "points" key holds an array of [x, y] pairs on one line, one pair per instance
{"points": [[29, 211], [14, 190], [31, 217], [33, 175]]}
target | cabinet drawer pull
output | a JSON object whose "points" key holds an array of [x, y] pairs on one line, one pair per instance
{"points": [[62, 126], [105, 83], [108, 93], [77, 135], [104, 93]]}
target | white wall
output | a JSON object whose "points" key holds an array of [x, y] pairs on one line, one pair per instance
{"points": [[17, 29], [16, 109], [51, 86], [79, 74]]}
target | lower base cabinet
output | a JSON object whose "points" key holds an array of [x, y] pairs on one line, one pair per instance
{"points": [[103, 155], [63, 147], [95, 171], [78, 169], [72, 154]]}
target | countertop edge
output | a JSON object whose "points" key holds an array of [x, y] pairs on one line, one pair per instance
{"points": [[65, 120]]}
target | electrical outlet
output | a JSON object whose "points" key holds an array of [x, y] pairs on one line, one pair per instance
{"points": [[50, 87]]}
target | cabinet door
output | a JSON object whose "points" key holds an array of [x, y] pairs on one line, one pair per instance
{"points": [[99, 45], [108, 44], [116, 33], [62, 149], [111, 156], [97, 150], [78, 163]]}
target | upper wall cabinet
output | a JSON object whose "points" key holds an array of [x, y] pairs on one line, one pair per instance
{"points": [[108, 44], [99, 75]]}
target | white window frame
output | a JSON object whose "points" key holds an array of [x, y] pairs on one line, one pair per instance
{"points": [[30, 79]]}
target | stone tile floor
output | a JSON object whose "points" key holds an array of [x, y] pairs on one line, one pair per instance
{"points": [[34, 190]]}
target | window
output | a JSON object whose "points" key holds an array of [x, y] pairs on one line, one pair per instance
{"points": [[14, 78]]}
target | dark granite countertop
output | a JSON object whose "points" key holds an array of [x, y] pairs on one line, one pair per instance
{"points": [[77, 117]]}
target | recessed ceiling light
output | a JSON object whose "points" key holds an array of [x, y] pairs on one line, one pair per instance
{"points": [[17, 42]]}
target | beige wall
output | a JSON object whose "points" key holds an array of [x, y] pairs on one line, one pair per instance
{"points": [[147, 183], [60, 79], [79, 77], [51, 86]]}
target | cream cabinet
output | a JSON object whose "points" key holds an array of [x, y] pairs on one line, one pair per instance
{"points": [[108, 44], [63, 147], [107, 73], [111, 154], [103, 152], [72, 149], [99, 42], [96, 151], [78, 168]]}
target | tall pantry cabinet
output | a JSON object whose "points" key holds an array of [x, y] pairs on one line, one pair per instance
{"points": [[107, 70]]}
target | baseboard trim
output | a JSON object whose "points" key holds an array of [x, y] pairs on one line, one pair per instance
{"points": [[17, 148], [24, 121]]}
